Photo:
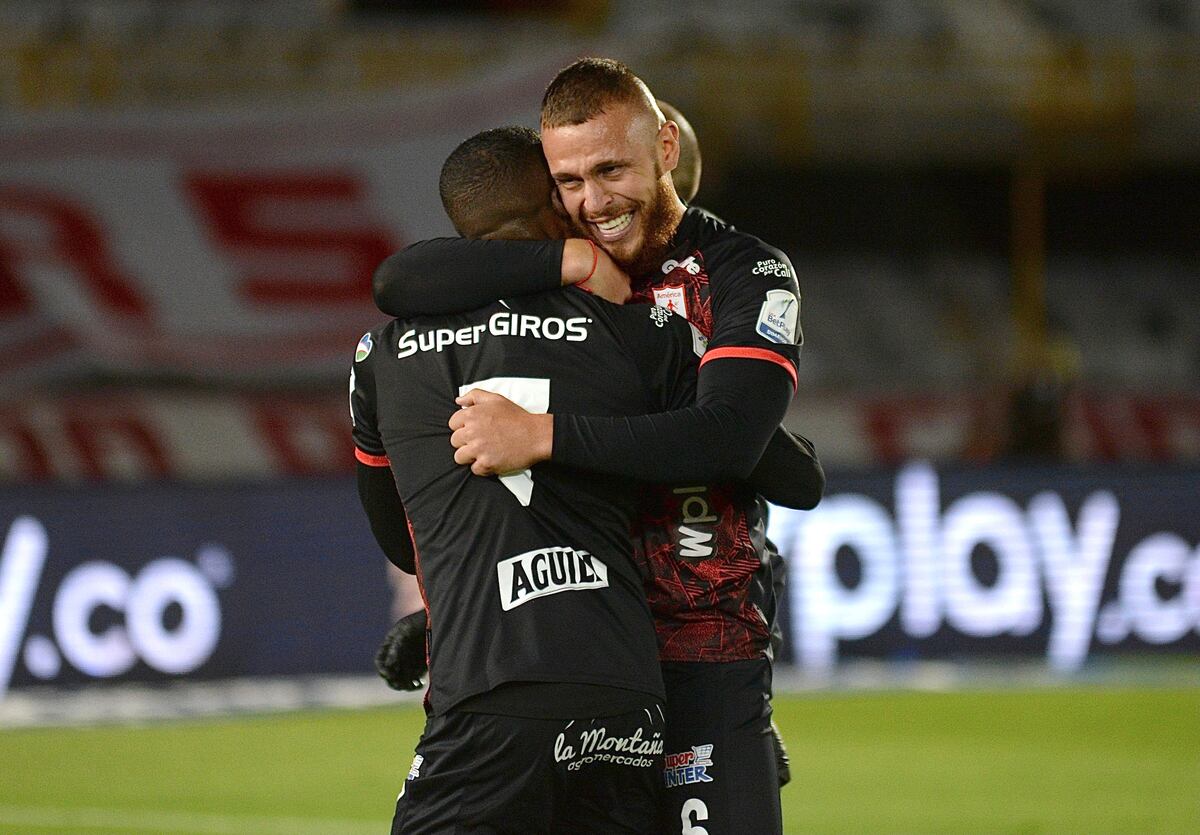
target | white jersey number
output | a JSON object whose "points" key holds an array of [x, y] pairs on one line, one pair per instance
{"points": [[533, 395], [690, 806]]}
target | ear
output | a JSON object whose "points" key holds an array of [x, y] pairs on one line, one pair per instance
{"points": [[668, 145]]}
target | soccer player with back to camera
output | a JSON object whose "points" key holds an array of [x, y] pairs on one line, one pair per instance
{"points": [[564, 687], [702, 541], [545, 699], [401, 657]]}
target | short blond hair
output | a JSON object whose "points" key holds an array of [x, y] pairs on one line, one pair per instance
{"points": [[589, 87]]}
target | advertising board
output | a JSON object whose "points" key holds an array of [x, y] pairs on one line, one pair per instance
{"points": [[282, 578]]}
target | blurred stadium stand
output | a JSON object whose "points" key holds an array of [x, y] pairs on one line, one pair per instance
{"points": [[993, 208], [878, 142]]}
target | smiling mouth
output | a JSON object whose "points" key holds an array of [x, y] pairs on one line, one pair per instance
{"points": [[615, 228]]}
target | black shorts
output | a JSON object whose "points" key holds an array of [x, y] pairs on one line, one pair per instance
{"points": [[720, 772], [485, 773]]}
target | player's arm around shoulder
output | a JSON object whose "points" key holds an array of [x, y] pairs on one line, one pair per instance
{"points": [[454, 275]]}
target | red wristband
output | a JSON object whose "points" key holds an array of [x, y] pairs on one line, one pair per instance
{"points": [[595, 260]]}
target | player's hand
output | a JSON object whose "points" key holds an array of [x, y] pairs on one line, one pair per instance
{"points": [[401, 657], [783, 765], [608, 281], [496, 436]]}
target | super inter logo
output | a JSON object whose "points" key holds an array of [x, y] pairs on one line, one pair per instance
{"points": [[547, 571], [688, 767]]}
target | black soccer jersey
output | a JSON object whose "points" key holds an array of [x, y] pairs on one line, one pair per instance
{"points": [[703, 545], [701, 541], [529, 576]]}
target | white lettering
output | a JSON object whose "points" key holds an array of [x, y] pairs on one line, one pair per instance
{"points": [[501, 323], [184, 648], [1075, 569], [577, 329], [21, 565], [408, 345], [980, 567], [103, 619], [828, 610], [1154, 620], [83, 591], [1012, 603], [916, 514]]}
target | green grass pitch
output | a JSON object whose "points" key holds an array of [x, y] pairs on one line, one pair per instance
{"points": [[1070, 760]]}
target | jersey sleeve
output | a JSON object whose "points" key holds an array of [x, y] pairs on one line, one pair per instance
{"points": [[386, 515], [755, 307], [789, 473], [455, 275], [376, 485], [368, 445], [745, 380]]}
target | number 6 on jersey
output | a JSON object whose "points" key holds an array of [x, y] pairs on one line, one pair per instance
{"points": [[533, 395], [693, 806]]}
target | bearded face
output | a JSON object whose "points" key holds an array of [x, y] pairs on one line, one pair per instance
{"points": [[613, 176]]}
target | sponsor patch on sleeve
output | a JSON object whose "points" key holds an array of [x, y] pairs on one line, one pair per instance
{"points": [[778, 316], [364, 348]]}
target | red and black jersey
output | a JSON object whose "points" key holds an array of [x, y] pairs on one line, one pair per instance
{"points": [[702, 544], [702, 537], [527, 577]]}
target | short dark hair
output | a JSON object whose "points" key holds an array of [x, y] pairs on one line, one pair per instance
{"points": [[483, 173], [687, 173], [587, 88]]}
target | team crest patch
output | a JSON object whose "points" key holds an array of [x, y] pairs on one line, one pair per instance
{"points": [[672, 299], [364, 348], [778, 316]]}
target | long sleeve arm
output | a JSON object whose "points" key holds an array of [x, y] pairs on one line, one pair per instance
{"points": [[454, 275], [385, 512], [789, 473], [739, 403]]}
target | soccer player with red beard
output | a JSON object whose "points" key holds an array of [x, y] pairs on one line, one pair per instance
{"points": [[702, 539]]}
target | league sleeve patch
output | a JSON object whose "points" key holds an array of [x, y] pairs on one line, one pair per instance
{"points": [[778, 316], [364, 348], [699, 341]]}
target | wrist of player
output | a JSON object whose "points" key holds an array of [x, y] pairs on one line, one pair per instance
{"points": [[533, 443], [543, 437], [579, 260]]}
